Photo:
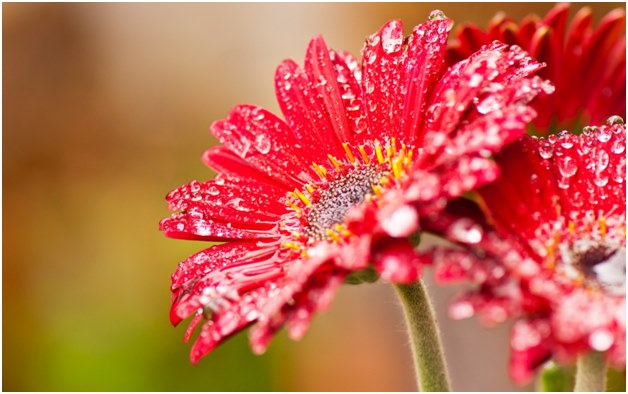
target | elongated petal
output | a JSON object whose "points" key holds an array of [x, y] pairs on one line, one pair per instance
{"points": [[303, 106], [319, 66]]}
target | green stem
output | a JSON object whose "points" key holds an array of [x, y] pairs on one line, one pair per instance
{"points": [[427, 351], [591, 372]]}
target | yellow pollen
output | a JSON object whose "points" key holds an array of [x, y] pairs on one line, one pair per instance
{"points": [[409, 160], [291, 205], [403, 151], [342, 229], [302, 197], [389, 155], [378, 152], [603, 225], [321, 171], [290, 245], [572, 227], [550, 263], [393, 146], [348, 152], [309, 188], [365, 157], [334, 162], [397, 167], [377, 190], [332, 235]]}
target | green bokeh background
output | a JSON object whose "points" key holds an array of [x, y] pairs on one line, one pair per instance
{"points": [[106, 109]]}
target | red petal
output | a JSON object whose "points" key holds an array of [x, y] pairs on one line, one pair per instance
{"points": [[422, 68], [305, 112], [466, 81], [318, 65], [468, 39], [349, 78], [224, 161], [266, 142], [530, 348], [527, 206], [243, 203], [396, 261], [215, 277], [527, 29], [382, 60]]}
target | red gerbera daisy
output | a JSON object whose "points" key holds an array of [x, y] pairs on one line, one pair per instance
{"points": [[555, 254], [586, 64], [364, 150]]}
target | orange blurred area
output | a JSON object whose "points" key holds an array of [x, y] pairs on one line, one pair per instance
{"points": [[105, 109]]}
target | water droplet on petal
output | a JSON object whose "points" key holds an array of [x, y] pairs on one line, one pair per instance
{"points": [[604, 135], [262, 144], [567, 167], [602, 160], [618, 146], [613, 120], [600, 180], [546, 150], [437, 15]]}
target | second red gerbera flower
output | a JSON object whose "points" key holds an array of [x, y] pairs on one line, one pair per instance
{"points": [[555, 258]]}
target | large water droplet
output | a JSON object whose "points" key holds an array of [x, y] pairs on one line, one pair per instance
{"points": [[392, 38], [437, 15], [567, 166], [546, 150], [600, 180], [618, 146], [614, 120], [262, 144], [601, 160], [604, 135]]}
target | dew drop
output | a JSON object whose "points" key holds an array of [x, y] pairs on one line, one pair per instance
{"points": [[604, 135], [618, 146], [600, 180], [392, 38], [602, 160], [567, 167], [262, 144], [567, 144], [437, 15], [614, 120], [546, 150], [213, 190]]}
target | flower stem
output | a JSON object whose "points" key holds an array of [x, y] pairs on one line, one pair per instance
{"points": [[427, 351], [591, 372]]}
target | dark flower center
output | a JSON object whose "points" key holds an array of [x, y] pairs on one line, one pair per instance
{"points": [[331, 206], [603, 265]]}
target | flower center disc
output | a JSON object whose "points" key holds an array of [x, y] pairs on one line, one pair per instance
{"points": [[603, 265], [332, 204]]}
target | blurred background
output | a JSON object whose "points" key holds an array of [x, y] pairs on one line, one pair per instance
{"points": [[106, 108]]}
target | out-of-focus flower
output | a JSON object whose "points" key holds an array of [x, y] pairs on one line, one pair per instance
{"points": [[554, 253], [364, 151], [587, 64]]}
